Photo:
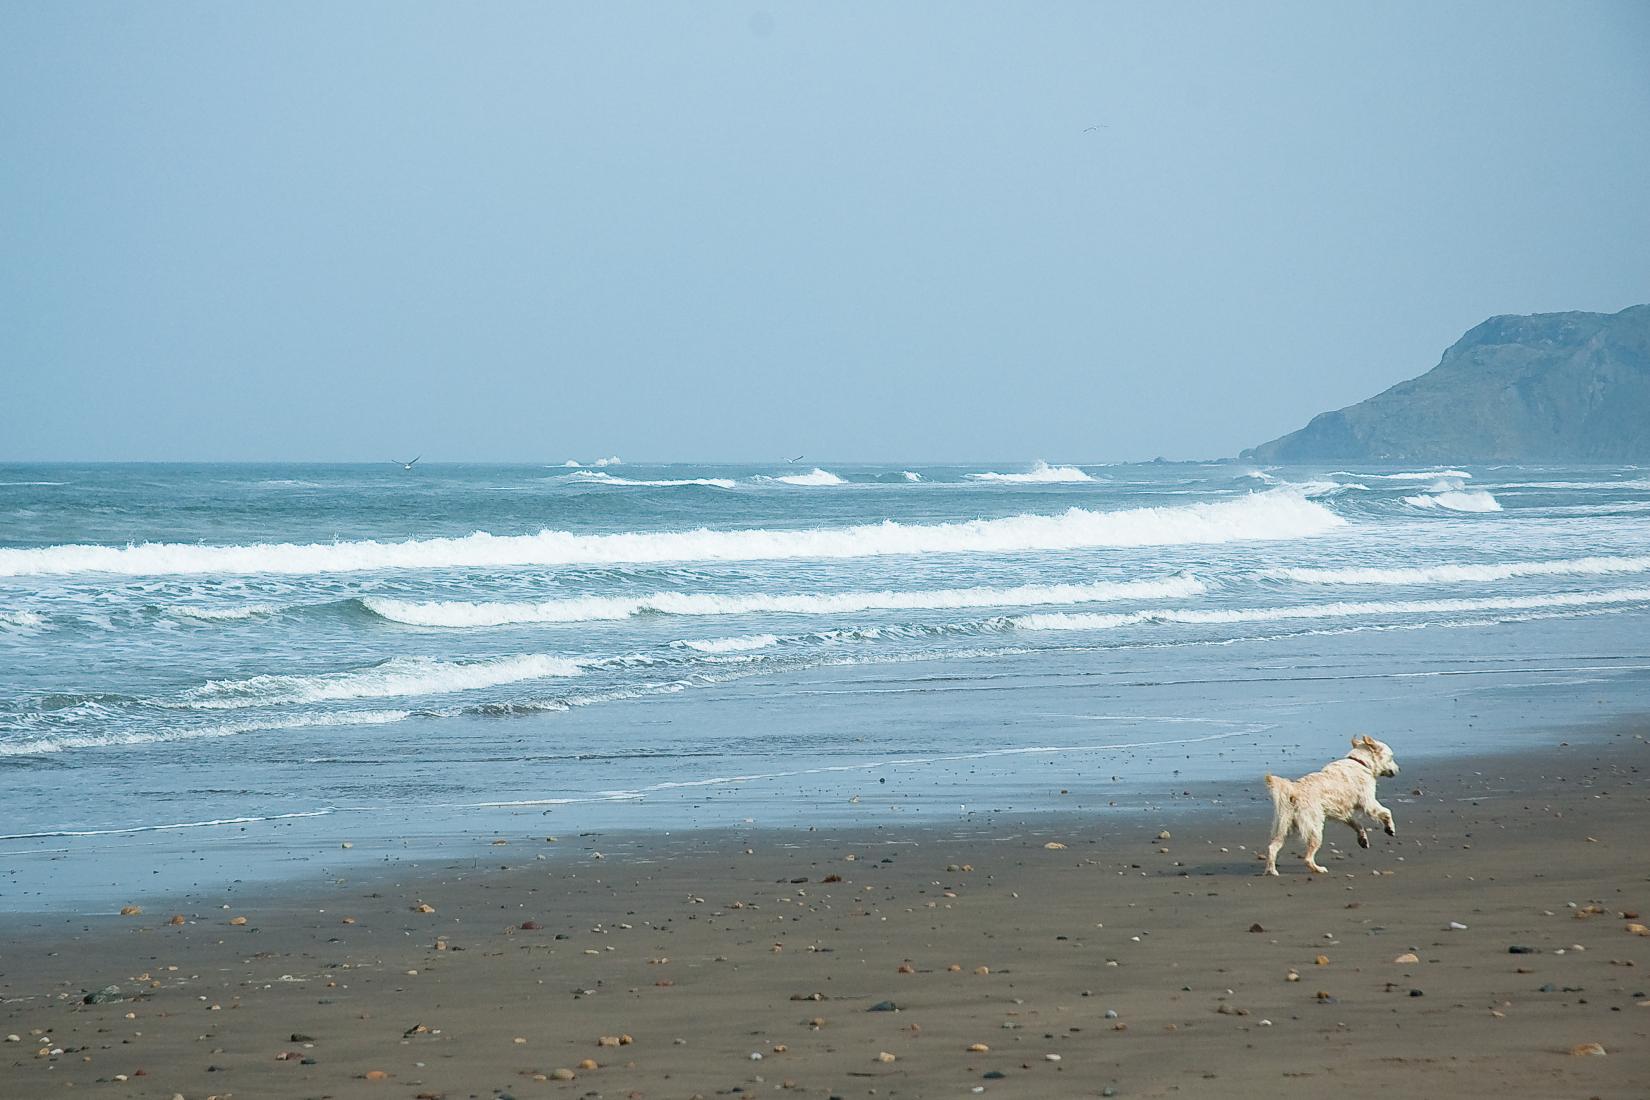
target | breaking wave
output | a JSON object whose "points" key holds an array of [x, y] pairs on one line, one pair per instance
{"points": [[1274, 514], [20, 618], [743, 644], [1041, 473], [1410, 475], [597, 477], [398, 676], [815, 476], [1457, 500], [1448, 574], [223, 614], [463, 613], [119, 738], [1070, 621]]}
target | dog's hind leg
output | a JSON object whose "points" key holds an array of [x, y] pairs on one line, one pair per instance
{"points": [[1313, 832], [1279, 835], [1283, 818]]}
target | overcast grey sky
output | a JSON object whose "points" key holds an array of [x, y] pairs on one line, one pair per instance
{"points": [[855, 230]]}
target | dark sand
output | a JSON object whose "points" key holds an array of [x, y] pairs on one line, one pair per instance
{"points": [[707, 955]]}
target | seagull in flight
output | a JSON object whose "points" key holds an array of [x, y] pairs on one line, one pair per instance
{"points": [[794, 461], [405, 465], [1096, 126]]}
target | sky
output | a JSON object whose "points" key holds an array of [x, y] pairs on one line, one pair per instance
{"points": [[678, 232]]}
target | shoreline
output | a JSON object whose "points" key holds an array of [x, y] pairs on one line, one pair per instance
{"points": [[710, 937]]}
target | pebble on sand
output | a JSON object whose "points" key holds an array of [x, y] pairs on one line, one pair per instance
{"points": [[237, 921], [1054, 846], [1406, 958], [130, 910], [1637, 930], [176, 918], [978, 1048], [423, 907], [1584, 1049], [884, 1056]]}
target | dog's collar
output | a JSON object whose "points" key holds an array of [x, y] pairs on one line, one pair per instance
{"points": [[1361, 760]]}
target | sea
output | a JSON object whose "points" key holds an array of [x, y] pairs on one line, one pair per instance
{"points": [[215, 674]]}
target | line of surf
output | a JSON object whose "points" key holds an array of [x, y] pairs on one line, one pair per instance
{"points": [[1274, 514], [1453, 574], [463, 613], [1197, 616]]}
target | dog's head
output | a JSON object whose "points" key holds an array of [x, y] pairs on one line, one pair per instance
{"points": [[1378, 753]]}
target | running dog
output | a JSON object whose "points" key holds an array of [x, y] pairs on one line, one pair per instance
{"points": [[1341, 789]]}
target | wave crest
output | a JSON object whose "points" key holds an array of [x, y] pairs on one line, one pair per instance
{"points": [[463, 613], [398, 676], [1456, 500], [1041, 473], [1276, 514]]}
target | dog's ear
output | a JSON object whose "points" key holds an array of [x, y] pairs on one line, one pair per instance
{"points": [[1357, 742], [1369, 742]]}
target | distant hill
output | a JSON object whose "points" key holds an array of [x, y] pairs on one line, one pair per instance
{"points": [[1559, 387]]}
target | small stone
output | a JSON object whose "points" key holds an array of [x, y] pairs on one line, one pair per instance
{"points": [[1292, 976], [520, 1040], [530, 926], [1164, 835], [953, 968], [1520, 949], [1321, 960], [1256, 927], [1054, 846], [561, 1074], [1584, 1049], [1456, 926], [884, 1006], [978, 1048], [607, 1041], [130, 910], [1637, 930], [107, 995], [906, 968], [1111, 1014], [884, 1056], [982, 971], [377, 1075], [176, 918], [237, 921], [1406, 958], [423, 907], [1051, 1057], [589, 1063], [1416, 993]]}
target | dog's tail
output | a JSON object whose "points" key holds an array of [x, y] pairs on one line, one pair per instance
{"points": [[1283, 803]]}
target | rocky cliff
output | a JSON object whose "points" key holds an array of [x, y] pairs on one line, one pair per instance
{"points": [[1558, 387]]}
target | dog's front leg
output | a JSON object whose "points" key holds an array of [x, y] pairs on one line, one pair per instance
{"points": [[1384, 816], [1363, 837]]}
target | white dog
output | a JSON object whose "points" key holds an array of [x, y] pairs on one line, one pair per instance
{"points": [[1338, 791]]}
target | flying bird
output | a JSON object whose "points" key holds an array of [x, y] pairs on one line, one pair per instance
{"points": [[1096, 126], [794, 461], [405, 465]]}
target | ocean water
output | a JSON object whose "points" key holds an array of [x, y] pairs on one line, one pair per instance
{"points": [[216, 671]]}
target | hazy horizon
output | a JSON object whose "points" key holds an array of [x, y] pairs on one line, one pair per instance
{"points": [[740, 232]]}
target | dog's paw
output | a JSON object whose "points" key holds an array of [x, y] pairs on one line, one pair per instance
{"points": [[1273, 871], [1390, 831], [1317, 870], [1363, 840]]}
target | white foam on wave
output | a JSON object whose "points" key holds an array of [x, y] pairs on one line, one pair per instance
{"points": [[911, 476], [610, 460], [1456, 500], [1409, 475], [572, 464], [1450, 574], [1637, 485], [743, 644], [815, 476], [223, 614], [463, 613], [1199, 616], [1276, 514], [398, 676], [596, 477], [21, 619], [1040, 473], [121, 738]]}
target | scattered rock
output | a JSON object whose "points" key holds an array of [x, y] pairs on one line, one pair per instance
{"points": [[884, 1056], [562, 1074], [1455, 926], [1407, 958], [1584, 1049], [176, 918], [130, 910], [884, 1006], [237, 921], [423, 907], [109, 994], [978, 1048], [1256, 927], [1054, 846], [1520, 949], [1638, 930]]}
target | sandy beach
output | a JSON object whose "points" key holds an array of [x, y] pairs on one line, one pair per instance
{"points": [[1056, 956]]}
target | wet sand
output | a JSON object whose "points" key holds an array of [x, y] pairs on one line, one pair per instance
{"points": [[1075, 957]]}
